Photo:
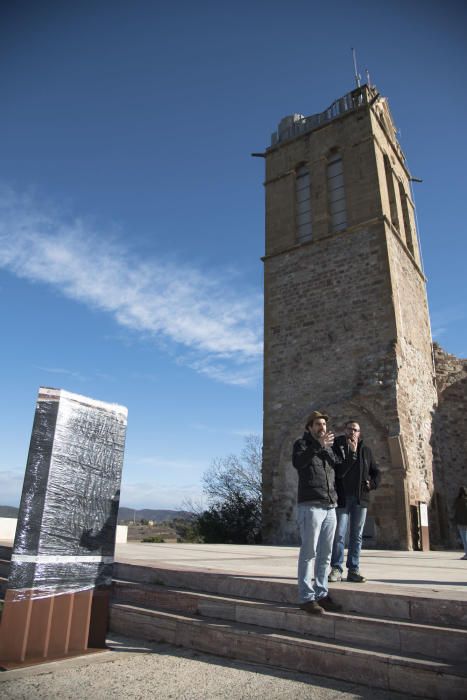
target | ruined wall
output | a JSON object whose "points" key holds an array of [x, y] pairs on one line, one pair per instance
{"points": [[449, 440], [416, 391]]}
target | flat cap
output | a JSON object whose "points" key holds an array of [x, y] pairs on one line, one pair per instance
{"points": [[314, 415]]}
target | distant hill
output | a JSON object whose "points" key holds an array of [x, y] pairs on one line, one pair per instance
{"points": [[8, 512], [159, 516]]}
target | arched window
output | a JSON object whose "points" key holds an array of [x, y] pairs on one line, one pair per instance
{"points": [[336, 193], [391, 192], [303, 204], [405, 214]]}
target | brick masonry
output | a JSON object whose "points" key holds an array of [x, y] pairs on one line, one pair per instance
{"points": [[347, 327], [449, 440]]}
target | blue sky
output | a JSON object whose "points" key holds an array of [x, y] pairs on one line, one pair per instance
{"points": [[132, 214]]}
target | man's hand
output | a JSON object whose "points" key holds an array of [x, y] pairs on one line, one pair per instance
{"points": [[352, 442], [326, 440], [352, 433]]}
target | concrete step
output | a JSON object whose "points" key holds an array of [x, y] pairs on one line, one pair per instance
{"points": [[427, 678], [398, 636], [413, 605], [395, 602]]}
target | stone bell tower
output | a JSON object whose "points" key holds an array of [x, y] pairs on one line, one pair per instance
{"points": [[346, 326]]}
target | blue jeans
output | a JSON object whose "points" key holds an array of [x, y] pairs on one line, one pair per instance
{"points": [[357, 515], [317, 526], [463, 533]]}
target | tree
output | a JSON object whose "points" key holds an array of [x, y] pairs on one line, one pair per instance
{"points": [[233, 475], [232, 486], [187, 529], [235, 521]]}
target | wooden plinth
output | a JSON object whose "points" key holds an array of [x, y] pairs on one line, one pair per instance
{"points": [[36, 627]]}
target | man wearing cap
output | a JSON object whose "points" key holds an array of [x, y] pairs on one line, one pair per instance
{"points": [[315, 460]]}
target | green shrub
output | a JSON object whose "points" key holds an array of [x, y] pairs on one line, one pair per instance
{"points": [[237, 520]]}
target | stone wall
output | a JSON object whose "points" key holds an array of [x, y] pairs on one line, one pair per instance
{"points": [[449, 440], [346, 322], [324, 349], [416, 390]]}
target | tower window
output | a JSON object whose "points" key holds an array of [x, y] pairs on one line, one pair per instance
{"points": [[405, 214], [336, 193], [391, 192], [303, 204]]}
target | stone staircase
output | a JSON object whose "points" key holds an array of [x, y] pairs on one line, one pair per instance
{"points": [[412, 643]]}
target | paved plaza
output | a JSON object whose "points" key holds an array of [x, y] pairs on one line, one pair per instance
{"points": [[135, 669], [441, 571]]}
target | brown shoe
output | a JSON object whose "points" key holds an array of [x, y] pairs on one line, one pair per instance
{"points": [[312, 607], [330, 605]]}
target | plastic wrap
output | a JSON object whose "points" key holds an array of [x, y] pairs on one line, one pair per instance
{"points": [[65, 537]]}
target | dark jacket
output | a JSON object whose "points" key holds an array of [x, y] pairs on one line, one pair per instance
{"points": [[368, 469], [315, 466], [460, 507]]}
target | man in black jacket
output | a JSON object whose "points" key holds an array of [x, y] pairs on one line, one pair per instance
{"points": [[356, 475], [460, 517], [314, 460]]}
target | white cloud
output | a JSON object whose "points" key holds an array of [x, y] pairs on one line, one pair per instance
{"points": [[247, 432], [63, 371], [221, 329], [227, 374], [104, 376], [11, 484], [152, 492], [441, 319], [144, 377], [164, 464], [150, 495], [240, 432]]}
